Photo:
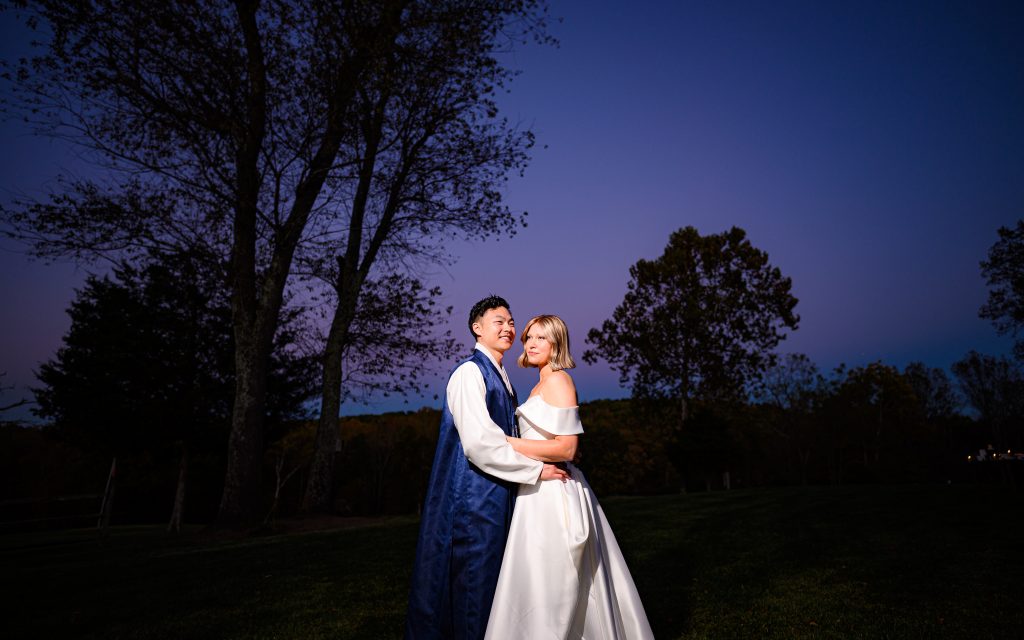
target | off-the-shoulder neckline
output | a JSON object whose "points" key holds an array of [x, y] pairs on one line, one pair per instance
{"points": [[541, 396]]}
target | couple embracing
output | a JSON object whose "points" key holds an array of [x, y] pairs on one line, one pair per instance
{"points": [[512, 543]]}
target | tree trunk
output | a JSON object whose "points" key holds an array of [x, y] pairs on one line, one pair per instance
{"points": [[319, 495], [382, 466], [683, 415], [253, 312], [319, 489], [278, 483], [179, 496], [240, 501], [805, 457], [107, 507]]}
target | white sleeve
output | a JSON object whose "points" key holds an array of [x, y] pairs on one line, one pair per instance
{"points": [[483, 441]]}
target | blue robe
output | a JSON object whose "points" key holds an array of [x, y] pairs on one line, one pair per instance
{"points": [[466, 517]]}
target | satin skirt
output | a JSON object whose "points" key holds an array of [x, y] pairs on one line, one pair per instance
{"points": [[563, 575]]}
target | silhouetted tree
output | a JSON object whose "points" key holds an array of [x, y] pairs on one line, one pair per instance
{"points": [[994, 387], [934, 390], [880, 423], [238, 128], [1004, 271], [794, 389], [147, 365], [429, 161], [699, 321]]}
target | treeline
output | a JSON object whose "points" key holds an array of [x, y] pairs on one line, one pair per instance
{"points": [[147, 375], [870, 424], [383, 463]]}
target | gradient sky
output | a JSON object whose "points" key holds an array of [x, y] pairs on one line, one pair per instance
{"points": [[872, 149]]}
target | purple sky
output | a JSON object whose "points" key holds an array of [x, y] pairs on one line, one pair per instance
{"points": [[872, 150]]}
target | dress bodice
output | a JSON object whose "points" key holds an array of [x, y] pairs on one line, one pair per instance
{"points": [[539, 420]]}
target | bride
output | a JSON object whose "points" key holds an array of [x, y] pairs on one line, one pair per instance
{"points": [[562, 575]]}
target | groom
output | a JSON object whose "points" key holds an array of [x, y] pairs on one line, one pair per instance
{"points": [[472, 489]]}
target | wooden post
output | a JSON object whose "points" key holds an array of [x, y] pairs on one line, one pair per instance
{"points": [[108, 498]]}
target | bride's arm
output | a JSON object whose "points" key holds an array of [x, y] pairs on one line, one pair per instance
{"points": [[559, 449]]}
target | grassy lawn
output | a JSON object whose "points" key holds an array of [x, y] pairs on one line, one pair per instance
{"points": [[848, 562]]}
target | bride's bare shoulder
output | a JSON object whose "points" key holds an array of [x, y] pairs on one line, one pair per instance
{"points": [[559, 390]]}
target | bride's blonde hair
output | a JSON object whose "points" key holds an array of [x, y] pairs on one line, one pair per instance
{"points": [[552, 328]]}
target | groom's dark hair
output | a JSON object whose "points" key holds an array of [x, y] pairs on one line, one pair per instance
{"points": [[482, 307]]}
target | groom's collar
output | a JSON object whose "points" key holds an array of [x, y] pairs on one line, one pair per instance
{"points": [[490, 356], [501, 369]]}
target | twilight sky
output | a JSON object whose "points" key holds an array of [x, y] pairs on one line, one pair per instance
{"points": [[872, 149]]}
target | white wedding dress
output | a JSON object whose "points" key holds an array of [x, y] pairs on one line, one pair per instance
{"points": [[562, 575]]}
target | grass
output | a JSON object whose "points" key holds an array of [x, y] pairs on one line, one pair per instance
{"points": [[847, 562]]}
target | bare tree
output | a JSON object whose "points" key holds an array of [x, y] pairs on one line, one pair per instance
{"points": [[1004, 273], [994, 387], [15, 404], [232, 127], [793, 387], [429, 160]]}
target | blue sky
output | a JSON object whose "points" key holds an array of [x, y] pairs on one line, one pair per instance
{"points": [[872, 149]]}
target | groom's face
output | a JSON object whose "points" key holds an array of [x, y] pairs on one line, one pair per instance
{"points": [[496, 330]]}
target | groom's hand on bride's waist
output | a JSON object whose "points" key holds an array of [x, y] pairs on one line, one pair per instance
{"points": [[554, 472]]}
